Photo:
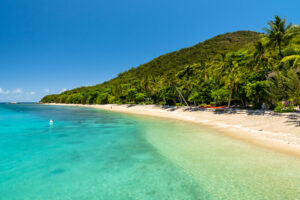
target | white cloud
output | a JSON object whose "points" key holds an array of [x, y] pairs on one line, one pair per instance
{"points": [[46, 90], [18, 91], [3, 91], [63, 90], [31, 93]]}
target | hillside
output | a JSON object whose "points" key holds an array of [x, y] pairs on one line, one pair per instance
{"points": [[175, 61], [242, 68]]}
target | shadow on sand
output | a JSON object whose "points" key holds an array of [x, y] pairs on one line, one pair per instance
{"points": [[291, 118]]}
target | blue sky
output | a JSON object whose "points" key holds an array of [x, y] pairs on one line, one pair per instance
{"points": [[49, 46]]}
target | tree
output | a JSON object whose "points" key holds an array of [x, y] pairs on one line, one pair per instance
{"points": [[131, 94], [102, 98], [220, 95], [285, 85], [292, 61], [279, 33], [259, 56], [140, 97], [228, 68], [231, 71]]}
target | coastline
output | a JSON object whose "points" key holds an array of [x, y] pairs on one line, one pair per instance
{"points": [[277, 131]]}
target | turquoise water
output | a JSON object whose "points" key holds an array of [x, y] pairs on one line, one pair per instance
{"points": [[94, 154]]}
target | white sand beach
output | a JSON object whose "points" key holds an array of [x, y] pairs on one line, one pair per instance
{"points": [[280, 131]]}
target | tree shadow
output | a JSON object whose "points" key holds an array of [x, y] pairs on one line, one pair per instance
{"points": [[170, 108], [131, 105], [191, 109], [293, 119]]}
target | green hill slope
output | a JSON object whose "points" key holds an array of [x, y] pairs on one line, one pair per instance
{"points": [[172, 62], [242, 68]]}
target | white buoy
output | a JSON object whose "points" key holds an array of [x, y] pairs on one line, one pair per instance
{"points": [[51, 122]]}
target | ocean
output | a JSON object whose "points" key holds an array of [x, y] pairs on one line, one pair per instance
{"points": [[95, 154]]}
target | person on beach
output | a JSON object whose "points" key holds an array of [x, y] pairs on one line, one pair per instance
{"points": [[263, 107]]}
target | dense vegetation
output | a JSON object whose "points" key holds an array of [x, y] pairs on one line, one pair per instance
{"points": [[242, 68]]}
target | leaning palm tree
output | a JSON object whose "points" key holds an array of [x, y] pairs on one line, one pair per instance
{"points": [[293, 61], [279, 33]]}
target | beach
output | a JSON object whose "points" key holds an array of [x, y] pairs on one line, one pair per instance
{"points": [[278, 131]]}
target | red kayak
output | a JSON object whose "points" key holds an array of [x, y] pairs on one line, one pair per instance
{"points": [[213, 107]]}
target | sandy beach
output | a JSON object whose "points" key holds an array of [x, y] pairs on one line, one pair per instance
{"points": [[279, 131]]}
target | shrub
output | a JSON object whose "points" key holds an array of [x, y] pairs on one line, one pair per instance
{"points": [[149, 102], [281, 108], [290, 108], [212, 103]]}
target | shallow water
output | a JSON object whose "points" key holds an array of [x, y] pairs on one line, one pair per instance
{"points": [[94, 154]]}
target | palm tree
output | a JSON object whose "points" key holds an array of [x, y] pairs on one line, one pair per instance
{"points": [[260, 59], [292, 60], [285, 85], [279, 33], [231, 79], [229, 74]]}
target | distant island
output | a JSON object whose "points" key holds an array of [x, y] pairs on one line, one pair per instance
{"points": [[241, 69]]}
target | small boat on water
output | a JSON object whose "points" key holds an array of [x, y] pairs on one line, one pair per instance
{"points": [[14, 102]]}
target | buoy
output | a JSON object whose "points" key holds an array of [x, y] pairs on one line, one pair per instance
{"points": [[51, 122]]}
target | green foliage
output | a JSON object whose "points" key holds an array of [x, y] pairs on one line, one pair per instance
{"points": [[279, 33], [149, 102], [212, 103], [285, 85], [220, 95], [257, 91], [240, 68], [281, 108], [131, 95], [162, 103], [102, 98], [140, 97]]}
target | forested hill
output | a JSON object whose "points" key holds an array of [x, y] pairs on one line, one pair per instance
{"points": [[174, 61], [202, 52], [233, 67]]}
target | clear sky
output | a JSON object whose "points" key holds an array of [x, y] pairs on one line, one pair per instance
{"points": [[49, 46]]}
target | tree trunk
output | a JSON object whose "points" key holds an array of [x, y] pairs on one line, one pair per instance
{"points": [[230, 95], [243, 103], [181, 96]]}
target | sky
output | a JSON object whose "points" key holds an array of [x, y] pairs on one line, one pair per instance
{"points": [[50, 46]]}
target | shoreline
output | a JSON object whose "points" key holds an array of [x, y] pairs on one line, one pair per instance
{"points": [[277, 131]]}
